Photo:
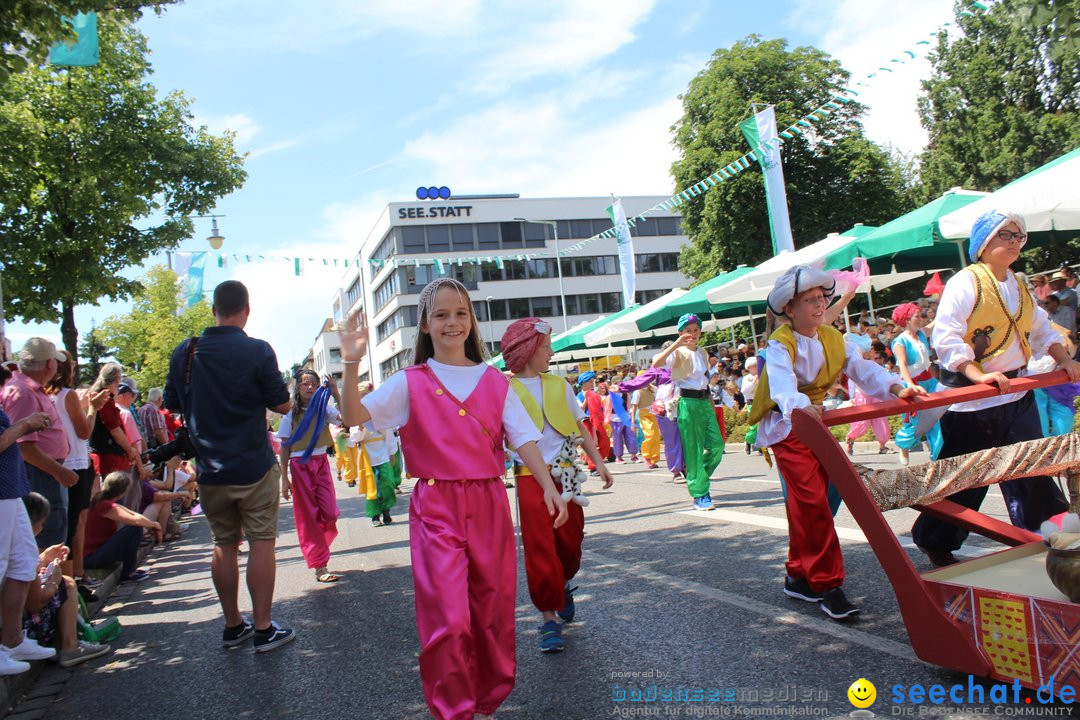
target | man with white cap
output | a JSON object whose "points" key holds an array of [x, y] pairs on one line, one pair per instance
{"points": [[988, 327], [43, 451]]}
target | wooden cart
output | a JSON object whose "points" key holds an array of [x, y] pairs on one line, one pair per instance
{"points": [[997, 616]]}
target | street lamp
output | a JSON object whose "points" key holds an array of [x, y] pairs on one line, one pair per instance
{"points": [[558, 265], [491, 333], [216, 238]]}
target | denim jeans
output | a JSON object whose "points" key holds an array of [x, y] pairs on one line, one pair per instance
{"points": [[122, 547]]}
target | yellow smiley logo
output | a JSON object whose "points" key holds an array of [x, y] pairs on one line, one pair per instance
{"points": [[862, 693]]}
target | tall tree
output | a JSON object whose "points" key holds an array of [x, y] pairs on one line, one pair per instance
{"points": [[835, 176], [94, 351], [1004, 96], [96, 174], [29, 28], [144, 338]]}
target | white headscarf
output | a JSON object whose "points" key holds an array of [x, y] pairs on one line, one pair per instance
{"points": [[797, 279]]}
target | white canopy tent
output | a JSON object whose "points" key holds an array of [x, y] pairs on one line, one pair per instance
{"points": [[1048, 198]]}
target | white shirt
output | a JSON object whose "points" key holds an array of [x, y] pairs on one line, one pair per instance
{"points": [[285, 429], [749, 385], [956, 306], [374, 443], [389, 403], [551, 440], [784, 380], [698, 379]]}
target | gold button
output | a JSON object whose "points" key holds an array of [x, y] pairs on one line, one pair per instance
{"points": [[431, 481], [461, 412], [439, 391]]}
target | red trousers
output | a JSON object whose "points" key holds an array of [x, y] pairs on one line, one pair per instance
{"points": [[813, 548], [552, 555], [603, 442]]}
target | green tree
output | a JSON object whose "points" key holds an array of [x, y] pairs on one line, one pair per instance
{"points": [[835, 176], [1004, 97], [96, 174], [94, 351], [145, 338], [29, 28]]}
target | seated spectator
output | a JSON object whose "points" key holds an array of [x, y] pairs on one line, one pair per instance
{"points": [[113, 532], [157, 502], [52, 607]]}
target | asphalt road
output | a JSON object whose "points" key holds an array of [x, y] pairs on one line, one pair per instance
{"points": [[671, 596]]}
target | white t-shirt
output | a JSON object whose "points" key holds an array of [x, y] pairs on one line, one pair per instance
{"points": [[286, 427], [551, 440], [698, 379], [374, 443], [389, 403]]}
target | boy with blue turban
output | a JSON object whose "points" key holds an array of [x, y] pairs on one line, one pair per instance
{"points": [[987, 329]]}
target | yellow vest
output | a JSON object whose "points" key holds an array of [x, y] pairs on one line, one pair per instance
{"points": [[301, 443], [553, 392], [832, 342], [991, 327]]}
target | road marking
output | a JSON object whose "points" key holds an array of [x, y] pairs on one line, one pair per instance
{"points": [[844, 633], [779, 523]]}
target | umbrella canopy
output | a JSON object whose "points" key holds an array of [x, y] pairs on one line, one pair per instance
{"points": [[574, 338], [833, 253], [625, 326], [914, 241], [694, 301], [1048, 198]]}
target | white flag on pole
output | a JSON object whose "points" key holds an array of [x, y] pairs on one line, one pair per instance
{"points": [[626, 250]]}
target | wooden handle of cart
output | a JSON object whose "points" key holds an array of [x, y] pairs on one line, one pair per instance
{"points": [[939, 399]]}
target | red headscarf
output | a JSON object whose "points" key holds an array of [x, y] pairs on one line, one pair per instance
{"points": [[521, 340], [902, 314]]}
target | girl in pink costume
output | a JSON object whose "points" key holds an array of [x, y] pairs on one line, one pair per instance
{"points": [[311, 485], [454, 411]]}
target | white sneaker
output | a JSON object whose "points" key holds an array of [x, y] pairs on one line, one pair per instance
{"points": [[30, 650], [9, 666]]}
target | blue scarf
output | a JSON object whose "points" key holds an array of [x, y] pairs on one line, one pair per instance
{"points": [[314, 414]]}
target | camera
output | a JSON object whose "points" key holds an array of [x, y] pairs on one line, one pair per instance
{"points": [[180, 445]]}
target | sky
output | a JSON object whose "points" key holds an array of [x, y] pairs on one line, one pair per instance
{"points": [[345, 105]]}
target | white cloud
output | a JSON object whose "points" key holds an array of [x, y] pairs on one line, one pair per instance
{"points": [[565, 37], [242, 124], [864, 36]]}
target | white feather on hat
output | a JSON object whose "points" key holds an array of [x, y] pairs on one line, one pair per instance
{"points": [[798, 279]]}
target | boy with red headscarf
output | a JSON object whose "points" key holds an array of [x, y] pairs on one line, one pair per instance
{"points": [[552, 555]]}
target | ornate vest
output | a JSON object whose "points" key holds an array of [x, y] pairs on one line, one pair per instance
{"points": [[301, 443], [448, 439], [991, 327], [553, 392], [833, 344]]}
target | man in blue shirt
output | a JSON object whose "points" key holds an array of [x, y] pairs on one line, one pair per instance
{"points": [[223, 382]]}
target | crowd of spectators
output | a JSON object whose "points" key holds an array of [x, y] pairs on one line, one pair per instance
{"points": [[58, 518]]}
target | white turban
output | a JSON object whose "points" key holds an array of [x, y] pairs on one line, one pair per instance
{"points": [[797, 279]]}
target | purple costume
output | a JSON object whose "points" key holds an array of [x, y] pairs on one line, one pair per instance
{"points": [[669, 429]]}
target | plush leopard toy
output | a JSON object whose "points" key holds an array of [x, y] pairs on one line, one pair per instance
{"points": [[566, 470]]}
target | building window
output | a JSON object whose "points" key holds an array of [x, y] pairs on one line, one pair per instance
{"points": [[498, 310], [388, 247], [413, 240], [438, 238], [543, 306], [610, 302], [536, 235], [580, 229], [490, 272], [461, 237], [519, 307], [395, 363], [353, 293], [487, 236], [390, 288], [645, 227], [335, 355], [572, 305], [511, 235], [402, 317], [515, 270], [667, 226]]}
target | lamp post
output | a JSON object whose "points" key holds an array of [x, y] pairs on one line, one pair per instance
{"points": [[491, 333], [558, 265], [216, 238]]}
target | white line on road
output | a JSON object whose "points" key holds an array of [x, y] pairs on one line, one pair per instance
{"points": [[844, 633]]}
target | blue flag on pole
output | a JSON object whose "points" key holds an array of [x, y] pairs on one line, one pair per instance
{"points": [[84, 51]]}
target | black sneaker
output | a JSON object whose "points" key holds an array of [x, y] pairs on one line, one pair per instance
{"points": [[836, 605], [267, 640], [233, 636], [799, 589], [386, 519], [88, 595]]}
